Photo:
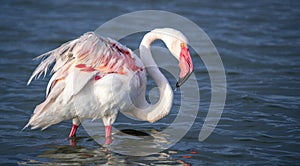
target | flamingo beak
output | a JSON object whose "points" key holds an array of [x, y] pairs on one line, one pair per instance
{"points": [[185, 65]]}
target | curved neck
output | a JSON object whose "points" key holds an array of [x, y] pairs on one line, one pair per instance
{"points": [[160, 109]]}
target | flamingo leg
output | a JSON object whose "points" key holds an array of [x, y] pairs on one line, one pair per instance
{"points": [[73, 130], [76, 123], [108, 138]]}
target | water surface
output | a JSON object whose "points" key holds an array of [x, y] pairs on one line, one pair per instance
{"points": [[258, 42]]}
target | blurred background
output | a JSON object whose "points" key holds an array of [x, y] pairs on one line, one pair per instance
{"points": [[258, 41]]}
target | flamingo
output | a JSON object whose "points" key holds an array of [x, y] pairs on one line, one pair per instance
{"points": [[96, 77]]}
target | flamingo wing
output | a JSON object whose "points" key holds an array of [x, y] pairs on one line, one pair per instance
{"points": [[90, 57]]}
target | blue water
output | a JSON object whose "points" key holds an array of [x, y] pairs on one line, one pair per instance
{"points": [[258, 41]]}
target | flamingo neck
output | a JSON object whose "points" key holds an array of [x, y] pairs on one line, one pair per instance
{"points": [[154, 112]]}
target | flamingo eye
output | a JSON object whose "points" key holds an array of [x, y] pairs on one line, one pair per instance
{"points": [[182, 45]]}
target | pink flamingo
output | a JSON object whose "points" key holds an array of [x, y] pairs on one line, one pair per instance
{"points": [[96, 77]]}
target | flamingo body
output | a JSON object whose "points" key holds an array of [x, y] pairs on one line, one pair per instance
{"points": [[96, 77]]}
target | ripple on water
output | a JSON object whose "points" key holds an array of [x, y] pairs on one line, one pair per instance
{"points": [[257, 41]]}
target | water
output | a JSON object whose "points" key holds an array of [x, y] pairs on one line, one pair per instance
{"points": [[258, 42]]}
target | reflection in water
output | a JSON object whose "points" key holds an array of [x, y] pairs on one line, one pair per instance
{"points": [[134, 132], [80, 155], [130, 142], [73, 141], [136, 143], [76, 155]]}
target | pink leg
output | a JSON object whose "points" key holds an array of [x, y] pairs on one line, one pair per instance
{"points": [[108, 139], [107, 131], [73, 130]]}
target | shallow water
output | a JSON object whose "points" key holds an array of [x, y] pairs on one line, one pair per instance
{"points": [[258, 42]]}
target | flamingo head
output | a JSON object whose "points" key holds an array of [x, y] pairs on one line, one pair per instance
{"points": [[185, 64], [177, 44]]}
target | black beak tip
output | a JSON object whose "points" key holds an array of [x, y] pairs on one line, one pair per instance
{"points": [[182, 80], [177, 85]]}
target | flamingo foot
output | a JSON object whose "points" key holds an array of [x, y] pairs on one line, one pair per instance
{"points": [[73, 142], [73, 131], [108, 139]]}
